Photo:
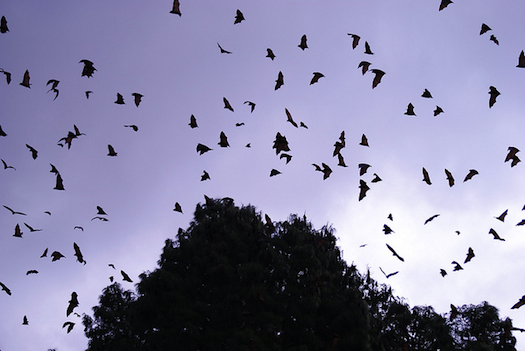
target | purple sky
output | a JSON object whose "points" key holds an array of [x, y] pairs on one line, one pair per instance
{"points": [[139, 47]]}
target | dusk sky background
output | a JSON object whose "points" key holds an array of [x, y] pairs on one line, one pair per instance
{"points": [[175, 62]]}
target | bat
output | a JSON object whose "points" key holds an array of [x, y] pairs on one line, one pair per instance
{"points": [[100, 211], [470, 255], [3, 25], [387, 229], [287, 156], [88, 68], [239, 124], [453, 312], [7, 75], [201, 148], [88, 92], [364, 141], [44, 254], [470, 174], [125, 277], [251, 104], [279, 81], [176, 8], [55, 256], [367, 49], [54, 85], [337, 148], [193, 122], [395, 253], [5, 288], [438, 110], [444, 3], [280, 143], [14, 212], [73, 302], [239, 17], [25, 80], [137, 98], [521, 60], [494, 39], [364, 65], [494, 93], [518, 304], [388, 275], [78, 227], [377, 78], [363, 167], [289, 118], [270, 54], [341, 161], [120, 99], [363, 189], [442, 272], [32, 271], [103, 219], [205, 175], [303, 44], [316, 77], [410, 110], [222, 50], [69, 326], [301, 124], [18, 233], [223, 140], [31, 229], [511, 155], [355, 40], [177, 208], [274, 172], [59, 183], [326, 171], [111, 151], [78, 253], [457, 266], [496, 235], [376, 178], [502, 216], [450, 178], [484, 29], [426, 177], [390, 217], [227, 104], [25, 321], [132, 126], [34, 152], [2, 133]]}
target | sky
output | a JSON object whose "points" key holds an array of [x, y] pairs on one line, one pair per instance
{"points": [[175, 63]]}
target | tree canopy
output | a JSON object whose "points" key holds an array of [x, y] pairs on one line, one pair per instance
{"points": [[232, 281]]}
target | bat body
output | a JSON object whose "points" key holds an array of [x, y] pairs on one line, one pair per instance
{"points": [[410, 110], [227, 104], [289, 118], [120, 99], [176, 8], [470, 255], [137, 98], [25, 80], [377, 78], [3, 25], [111, 151], [73, 302], [438, 110], [395, 253], [78, 254], [55, 256], [88, 69], [177, 207], [470, 174], [280, 144], [126, 277], [363, 188], [450, 178], [363, 168], [494, 93], [316, 77], [279, 82], [355, 40], [201, 148], [444, 3], [303, 44], [223, 142], [364, 65], [222, 50], [34, 152], [274, 172], [502, 216], [14, 212], [270, 54], [367, 49], [521, 60], [239, 17], [193, 122], [426, 94], [59, 183]]}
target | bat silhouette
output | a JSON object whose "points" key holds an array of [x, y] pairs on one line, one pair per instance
{"points": [[270, 54], [111, 151], [337, 148], [88, 68], [363, 167], [25, 80], [410, 110], [279, 81], [363, 188], [239, 17], [494, 93], [44, 254], [223, 140], [78, 227], [438, 110], [274, 172], [511, 155], [3, 25], [78, 253], [100, 211], [364, 65], [377, 78], [442, 272], [376, 178], [32, 271], [205, 175], [426, 94], [521, 60], [390, 217], [120, 99], [251, 104], [201, 148], [341, 161], [31, 229], [222, 50], [289, 118], [470, 174], [426, 177], [496, 235], [34, 152], [5, 288], [88, 92], [367, 49], [125, 277], [193, 122], [387, 229], [355, 40], [53, 169], [25, 321], [518, 304], [395, 253], [303, 44], [239, 124], [54, 85], [470, 255], [69, 326], [502, 216], [103, 219], [227, 104], [59, 183], [137, 98], [444, 3], [176, 8], [73, 302], [18, 233], [450, 178], [177, 208], [55, 256], [484, 29], [316, 77], [2, 133], [280, 143], [389, 274], [287, 156], [494, 39], [132, 126], [457, 266], [7, 75], [326, 170], [14, 212], [301, 124]]}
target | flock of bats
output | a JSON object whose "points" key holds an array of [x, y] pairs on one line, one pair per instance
{"points": [[280, 144]]}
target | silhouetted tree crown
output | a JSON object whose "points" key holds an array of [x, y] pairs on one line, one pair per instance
{"points": [[233, 282]]}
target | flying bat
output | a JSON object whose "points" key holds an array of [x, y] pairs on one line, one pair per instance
{"points": [[341, 161], [34, 152], [470, 255], [496, 235], [2, 133], [25, 80], [316, 77], [395, 253], [59, 183], [287, 156], [389, 274], [470, 174], [132, 126], [438, 110], [301, 124], [502, 216], [270, 54], [223, 140], [303, 44], [137, 98], [176, 8], [326, 171], [227, 104], [378, 75], [239, 124], [120, 99], [100, 211], [484, 29], [280, 143], [88, 68], [289, 118], [511, 155], [364, 65], [337, 148], [73, 302], [387, 229], [363, 189], [367, 49], [390, 217], [77, 131], [222, 50], [494, 39], [410, 110], [44, 254], [6, 166], [193, 122], [205, 176], [355, 40], [55, 256], [14, 212], [457, 266], [18, 233], [78, 227], [494, 93], [442, 272], [251, 104], [3, 25], [32, 271], [376, 178], [363, 167], [54, 85], [426, 94], [274, 172], [125, 277], [521, 60], [202, 148], [78, 253], [69, 326], [177, 207], [31, 229], [5, 288], [431, 218], [518, 304], [111, 151], [88, 92], [444, 3], [7, 75], [279, 81], [239, 17], [450, 178], [103, 219], [25, 321]]}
